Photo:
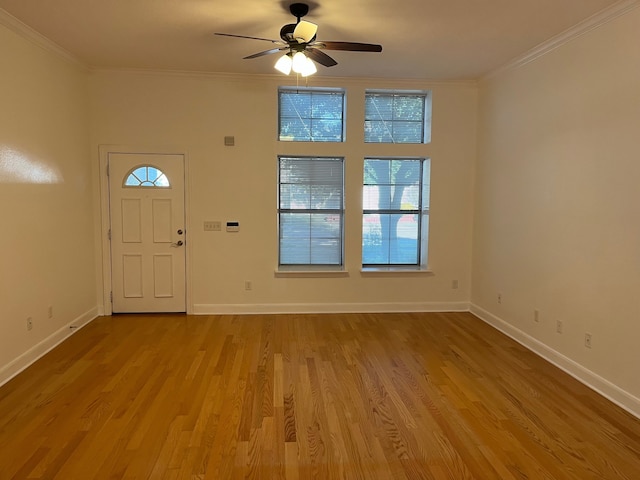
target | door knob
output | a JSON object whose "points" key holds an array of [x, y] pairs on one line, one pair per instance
{"points": [[179, 243], [180, 231]]}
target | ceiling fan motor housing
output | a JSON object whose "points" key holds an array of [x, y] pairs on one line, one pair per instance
{"points": [[286, 32], [299, 10]]}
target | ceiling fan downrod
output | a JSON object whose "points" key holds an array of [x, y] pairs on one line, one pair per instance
{"points": [[299, 10]]}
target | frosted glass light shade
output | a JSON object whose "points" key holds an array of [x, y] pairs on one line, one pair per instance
{"points": [[305, 31], [284, 64], [309, 68], [298, 62]]}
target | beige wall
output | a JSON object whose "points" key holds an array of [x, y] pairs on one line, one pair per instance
{"points": [[47, 244], [558, 202], [194, 113]]}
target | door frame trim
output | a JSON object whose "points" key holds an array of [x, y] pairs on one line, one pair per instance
{"points": [[105, 215]]}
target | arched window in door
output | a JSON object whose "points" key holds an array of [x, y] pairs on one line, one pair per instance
{"points": [[146, 176]]}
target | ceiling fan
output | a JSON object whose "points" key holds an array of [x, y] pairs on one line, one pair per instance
{"points": [[301, 47]]}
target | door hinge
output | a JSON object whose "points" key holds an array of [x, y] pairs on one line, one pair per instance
{"points": [[107, 169], [109, 234], [111, 296]]}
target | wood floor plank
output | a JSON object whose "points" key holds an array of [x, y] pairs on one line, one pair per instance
{"points": [[297, 397]]}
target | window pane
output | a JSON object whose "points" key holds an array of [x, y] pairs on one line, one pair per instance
{"points": [[403, 239], [378, 107], [326, 130], [323, 250], [294, 235], [390, 239], [373, 250], [295, 105], [146, 176], [294, 196], [294, 128], [407, 132], [408, 108], [311, 115], [327, 105]]}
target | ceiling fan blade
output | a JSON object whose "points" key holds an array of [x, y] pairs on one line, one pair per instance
{"points": [[250, 38], [320, 57], [348, 46], [266, 52], [305, 31]]}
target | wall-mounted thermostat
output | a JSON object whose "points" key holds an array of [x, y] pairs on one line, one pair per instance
{"points": [[233, 226]]}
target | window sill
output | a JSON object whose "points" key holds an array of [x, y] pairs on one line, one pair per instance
{"points": [[310, 272], [395, 271]]}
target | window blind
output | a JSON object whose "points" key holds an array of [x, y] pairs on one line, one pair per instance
{"points": [[310, 210], [394, 118], [311, 116]]}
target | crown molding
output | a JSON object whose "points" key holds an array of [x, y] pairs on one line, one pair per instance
{"points": [[313, 81], [25, 31], [595, 21]]}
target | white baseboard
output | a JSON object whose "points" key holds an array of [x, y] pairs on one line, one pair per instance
{"points": [[592, 380], [37, 351], [273, 308]]}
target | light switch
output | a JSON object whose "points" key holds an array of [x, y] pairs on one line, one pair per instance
{"points": [[211, 226]]}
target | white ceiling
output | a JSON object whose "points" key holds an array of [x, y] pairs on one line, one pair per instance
{"points": [[424, 39]]}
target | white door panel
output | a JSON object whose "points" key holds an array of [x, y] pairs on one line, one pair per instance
{"points": [[147, 233]]}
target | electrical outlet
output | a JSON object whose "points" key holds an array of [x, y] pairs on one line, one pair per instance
{"points": [[559, 326], [29, 323], [248, 285], [587, 340], [50, 311], [536, 316], [454, 284], [499, 298]]}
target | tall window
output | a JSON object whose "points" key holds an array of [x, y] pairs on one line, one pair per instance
{"points": [[311, 210], [396, 117], [308, 115], [395, 217]]}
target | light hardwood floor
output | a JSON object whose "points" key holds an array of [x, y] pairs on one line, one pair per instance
{"points": [[354, 396]]}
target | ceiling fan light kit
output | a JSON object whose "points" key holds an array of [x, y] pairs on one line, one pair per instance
{"points": [[284, 64], [303, 49]]}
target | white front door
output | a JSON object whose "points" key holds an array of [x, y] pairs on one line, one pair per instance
{"points": [[146, 197]]}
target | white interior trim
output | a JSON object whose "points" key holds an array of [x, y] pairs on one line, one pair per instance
{"points": [[592, 380], [303, 308], [597, 20], [25, 31], [45, 346]]}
